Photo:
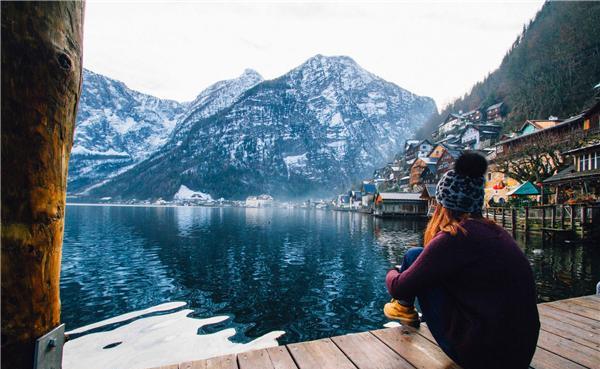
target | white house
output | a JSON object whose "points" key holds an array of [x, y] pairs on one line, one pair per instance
{"points": [[262, 201]]}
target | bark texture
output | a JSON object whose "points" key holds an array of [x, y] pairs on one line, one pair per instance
{"points": [[41, 85]]}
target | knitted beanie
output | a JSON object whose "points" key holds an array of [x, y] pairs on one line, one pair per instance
{"points": [[462, 189]]}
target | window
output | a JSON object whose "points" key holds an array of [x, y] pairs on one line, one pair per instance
{"points": [[580, 163], [589, 161], [489, 176]]}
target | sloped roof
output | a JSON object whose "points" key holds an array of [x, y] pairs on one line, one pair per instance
{"points": [[429, 190], [494, 106], [409, 196], [540, 124], [561, 124], [525, 189], [582, 148], [570, 173]]}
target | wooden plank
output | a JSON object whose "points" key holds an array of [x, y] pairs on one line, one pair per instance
{"points": [[581, 322], [425, 332], [222, 362], [544, 359], [367, 352], [198, 364], [570, 332], [415, 348], [576, 309], [568, 349], [319, 354], [256, 359], [281, 358], [591, 303]]}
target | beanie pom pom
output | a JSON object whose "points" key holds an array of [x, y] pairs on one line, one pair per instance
{"points": [[470, 164]]}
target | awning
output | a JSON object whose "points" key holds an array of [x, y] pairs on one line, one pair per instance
{"points": [[526, 189]]}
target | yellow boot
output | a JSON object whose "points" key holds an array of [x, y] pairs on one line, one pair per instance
{"points": [[407, 315]]}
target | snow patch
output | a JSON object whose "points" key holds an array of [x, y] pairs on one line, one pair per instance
{"points": [[80, 150], [154, 341], [184, 193]]}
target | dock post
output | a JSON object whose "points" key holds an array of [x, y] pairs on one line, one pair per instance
{"points": [[41, 85], [572, 217], [526, 225], [543, 217], [513, 217], [503, 209], [583, 219], [562, 217], [553, 216], [494, 215]]}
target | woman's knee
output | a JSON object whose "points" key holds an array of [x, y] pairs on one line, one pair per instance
{"points": [[412, 254]]}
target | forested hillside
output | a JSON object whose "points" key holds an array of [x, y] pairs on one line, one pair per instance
{"points": [[551, 68]]}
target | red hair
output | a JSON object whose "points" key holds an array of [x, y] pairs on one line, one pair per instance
{"points": [[446, 220]]}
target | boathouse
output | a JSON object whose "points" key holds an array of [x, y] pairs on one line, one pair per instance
{"points": [[399, 204]]}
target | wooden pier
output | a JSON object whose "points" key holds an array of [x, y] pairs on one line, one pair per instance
{"points": [[579, 220], [569, 338]]}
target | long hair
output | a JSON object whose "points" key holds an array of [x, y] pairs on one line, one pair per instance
{"points": [[446, 220]]}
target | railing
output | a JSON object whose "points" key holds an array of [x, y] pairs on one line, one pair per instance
{"points": [[581, 219]]}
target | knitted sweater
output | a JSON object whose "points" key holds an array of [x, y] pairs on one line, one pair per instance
{"points": [[492, 319]]}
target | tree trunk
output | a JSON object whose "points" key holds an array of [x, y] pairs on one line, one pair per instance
{"points": [[41, 85]]}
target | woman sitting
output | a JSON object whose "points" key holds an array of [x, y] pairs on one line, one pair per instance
{"points": [[474, 285]]}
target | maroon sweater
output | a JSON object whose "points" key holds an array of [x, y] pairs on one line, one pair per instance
{"points": [[492, 319]]}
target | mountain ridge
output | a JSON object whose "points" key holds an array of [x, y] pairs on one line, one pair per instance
{"points": [[319, 126]]}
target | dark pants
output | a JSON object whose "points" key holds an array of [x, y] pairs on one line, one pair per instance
{"points": [[431, 303]]}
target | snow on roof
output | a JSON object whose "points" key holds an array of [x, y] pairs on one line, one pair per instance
{"points": [[409, 196], [495, 106]]}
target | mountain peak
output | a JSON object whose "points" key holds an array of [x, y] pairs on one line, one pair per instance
{"points": [[248, 72]]}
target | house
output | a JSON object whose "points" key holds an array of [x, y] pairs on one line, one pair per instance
{"points": [[569, 130], [446, 161], [580, 182], [452, 122], [420, 150], [262, 201], [532, 125], [355, 199], [476, 137], [496, 112], [473, 116], [410, 143], [428, 194], [417, 169], [343, 201], [397, 204], [368, 194], [429, 175], [497, 186]]}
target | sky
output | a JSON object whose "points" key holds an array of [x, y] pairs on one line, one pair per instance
{"points": [[174, 50]]}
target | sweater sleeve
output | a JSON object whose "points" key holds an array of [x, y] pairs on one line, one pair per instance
{"points": [[444, 256]]}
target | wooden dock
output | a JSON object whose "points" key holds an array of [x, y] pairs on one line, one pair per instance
{"points": [[569, 339]]}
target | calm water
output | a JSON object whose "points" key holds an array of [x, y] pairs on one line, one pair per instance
{"points": [[311, 273]]}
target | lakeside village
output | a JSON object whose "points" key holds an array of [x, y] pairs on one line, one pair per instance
{"points": [[551, 166]]}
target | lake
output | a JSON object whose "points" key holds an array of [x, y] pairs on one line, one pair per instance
{"points": [[310, 273]]}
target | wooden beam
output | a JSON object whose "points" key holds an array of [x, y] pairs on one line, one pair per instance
{"points": [[41, 86]]}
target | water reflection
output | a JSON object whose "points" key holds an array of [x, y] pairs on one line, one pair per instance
{"points": [[310, 273]]}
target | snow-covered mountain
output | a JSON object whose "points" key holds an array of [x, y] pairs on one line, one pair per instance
{"points": [[316, 129], [116, 128]]}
